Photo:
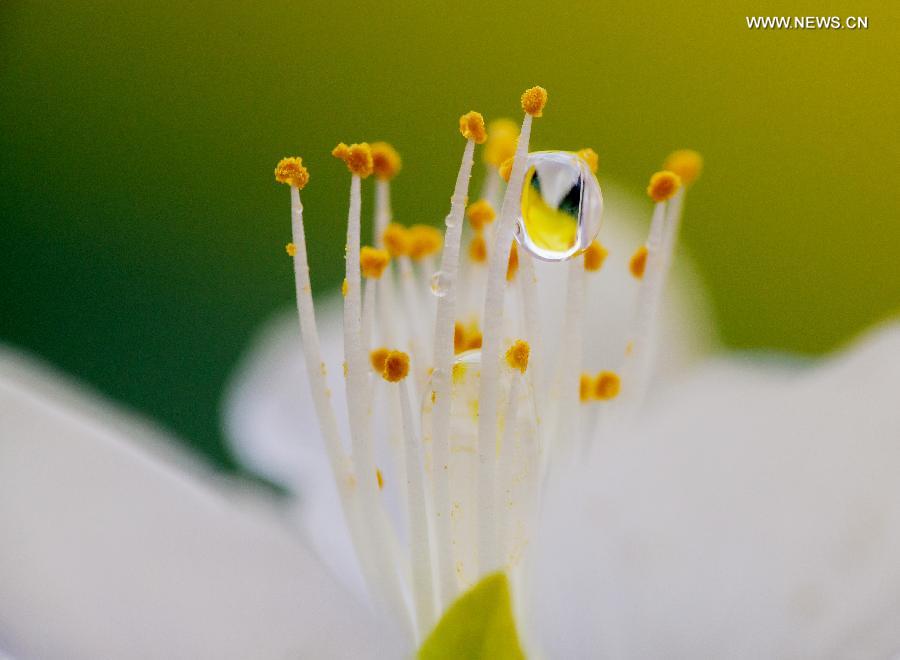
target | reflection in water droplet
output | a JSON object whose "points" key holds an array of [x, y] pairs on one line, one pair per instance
{"points": [[439, 284], [561, 206]]}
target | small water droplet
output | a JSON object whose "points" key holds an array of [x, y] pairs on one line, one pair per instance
{"points": [[451, 220], [439, 284], [561, 206]]}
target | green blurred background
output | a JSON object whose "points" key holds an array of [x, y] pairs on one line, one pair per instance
{"points": [[142, 239]]}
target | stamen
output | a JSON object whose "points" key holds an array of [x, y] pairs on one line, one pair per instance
{"points": [[638, 262], [652, 266], [663, 185], [424, 240], [443, 358], [590, 157], [385, 163], [471, 125], [505, 169], [607, 386], [585, 387], [594, 257], [533, 102], [373, 261], [396, 240], [512, 265], [377, 358], [396, 367], [375, 566], [358, 158], [478, 249], [291, 171], [686, 163], [517, 355], [480, 214], [291, 249]]}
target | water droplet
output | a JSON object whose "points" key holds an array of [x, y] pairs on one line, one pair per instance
{"points": [[439, 284], [561, 206], [451, 220]]}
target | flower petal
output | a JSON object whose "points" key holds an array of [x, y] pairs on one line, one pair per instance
{"points": [[114, 545], [754, 514]]}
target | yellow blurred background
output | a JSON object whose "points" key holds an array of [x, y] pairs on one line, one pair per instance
{"points": [[143, 233]]}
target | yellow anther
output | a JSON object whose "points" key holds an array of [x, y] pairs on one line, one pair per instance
{"points": [[424, 241], [459, 337], [512, 267], [505, 169], [396, 366], [471, 125], [534, 100], [501, 143], [385, 160], [594, 256], [607, 385], [344, 286], [466, 337], [590, 157], [292, 172], [663, 185], [380, 478], [638, 262], [358, 158], [686, 163], [341, 151], [378, 357], [478, 249], [480, 214], [396, 240], [517, 355], [373, 261], [291, 249], [585, 387]]}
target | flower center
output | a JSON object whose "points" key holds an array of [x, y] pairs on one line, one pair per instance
{"points": [[456, 412]]}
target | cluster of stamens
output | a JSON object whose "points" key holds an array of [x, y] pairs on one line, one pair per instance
{"points": [[455, 408]]}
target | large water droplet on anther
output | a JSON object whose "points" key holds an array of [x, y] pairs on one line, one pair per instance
{"points": [[561, 206], [439, 284]]}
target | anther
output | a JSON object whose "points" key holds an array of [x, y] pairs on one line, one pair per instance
{"points": [[505, 169], [478, 249], [480, 214], [378, 357], [424, 241], [396, 240], [396, 366], [638, 262], [686, 163], [373, 261], [358, 158], [517, 355], [607, 385], [291, 249], [385, 160], [534, 100], [663, 185], [291, 171], [594, 256], [512, 266], [501, 142], [471, 125], [590, 157]]}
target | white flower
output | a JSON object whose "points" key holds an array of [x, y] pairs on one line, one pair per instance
{"points": [[743, 509]]}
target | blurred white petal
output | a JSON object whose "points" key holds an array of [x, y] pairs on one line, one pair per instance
{"points": [[117, 546], [755, 514]]}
